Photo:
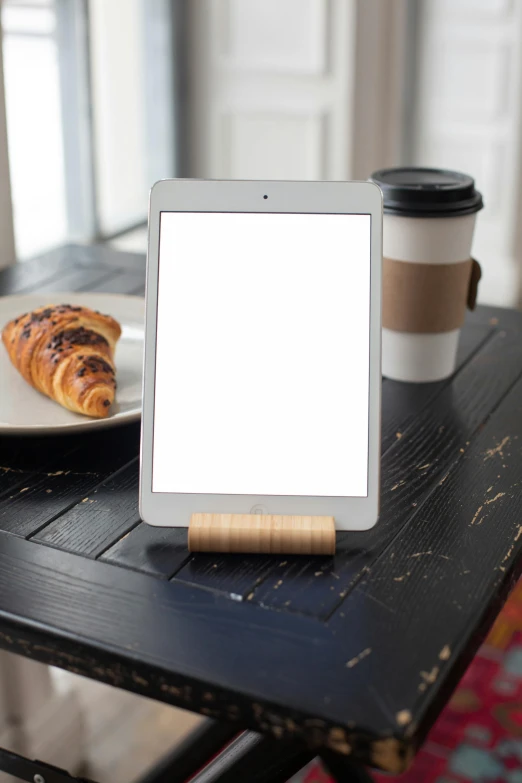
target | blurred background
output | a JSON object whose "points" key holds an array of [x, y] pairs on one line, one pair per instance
{"points": [[101, 98], [104, 97]]}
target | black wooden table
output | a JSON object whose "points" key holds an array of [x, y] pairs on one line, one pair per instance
{"points": [[350, 657]]}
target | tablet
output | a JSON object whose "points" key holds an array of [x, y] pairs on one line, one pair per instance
{"points": [[262, 351]]}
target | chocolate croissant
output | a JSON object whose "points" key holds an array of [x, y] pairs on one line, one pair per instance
{"points": [[67, 353]]}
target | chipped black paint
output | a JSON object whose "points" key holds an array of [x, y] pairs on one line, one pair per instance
{"points": [[356, 654]]}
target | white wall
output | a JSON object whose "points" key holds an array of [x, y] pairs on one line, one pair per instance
{"points": [[468, 117]]}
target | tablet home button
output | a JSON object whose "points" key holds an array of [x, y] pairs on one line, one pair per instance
{"points": [[259, 510]]}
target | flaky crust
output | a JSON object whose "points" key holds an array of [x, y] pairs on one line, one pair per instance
{"points": [[67, 353]]}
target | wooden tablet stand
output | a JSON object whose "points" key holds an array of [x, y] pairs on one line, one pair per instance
{"points": [[259, 533]]}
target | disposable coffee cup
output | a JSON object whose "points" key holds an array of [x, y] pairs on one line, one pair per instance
{"points": [[429, 275]]}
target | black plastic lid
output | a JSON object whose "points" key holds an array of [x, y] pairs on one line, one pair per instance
{"points": [[418, 192]]}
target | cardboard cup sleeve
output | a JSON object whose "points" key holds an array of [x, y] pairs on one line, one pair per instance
{"points": [[428, 298]]}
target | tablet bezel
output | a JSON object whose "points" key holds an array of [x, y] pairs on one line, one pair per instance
{"points": [[175, 509]]}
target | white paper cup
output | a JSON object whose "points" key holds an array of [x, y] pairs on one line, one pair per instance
{"points": [[414, 357], [429, 218]]}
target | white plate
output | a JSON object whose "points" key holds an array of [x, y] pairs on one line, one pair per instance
{"points": [[24, 411]]}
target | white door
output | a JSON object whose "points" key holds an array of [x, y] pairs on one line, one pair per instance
{"points": [[273, 87], [469, 117], [295, 89]]}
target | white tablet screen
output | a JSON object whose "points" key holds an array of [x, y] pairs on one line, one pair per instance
{"points": [[262, 358]]}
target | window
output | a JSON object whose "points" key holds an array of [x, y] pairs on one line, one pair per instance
{"points": [[32, 94], [90, 99]]}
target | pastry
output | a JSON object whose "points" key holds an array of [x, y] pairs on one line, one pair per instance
{"points": [[67, 353]]}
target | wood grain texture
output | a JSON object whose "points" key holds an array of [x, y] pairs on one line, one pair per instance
{"points": [[102, 256], [160, 551], [262, 534], [410, 468], [431, 596], [316, 586], [73, 267], [497, 317], [11, 478], [62, 452], [403, 402], [236, 578], [365, 645], [57, 474], [27, 277], [99, 518], [32, 506], [178, 644], [73, 279], [120, 283]]}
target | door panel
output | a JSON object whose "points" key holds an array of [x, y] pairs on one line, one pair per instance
{"points": [[271, 86]]}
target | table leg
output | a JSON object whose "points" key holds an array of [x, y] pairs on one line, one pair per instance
{"points": [[20, 768], [42, 721], [257, 759], [344, 770], [193, 752]]}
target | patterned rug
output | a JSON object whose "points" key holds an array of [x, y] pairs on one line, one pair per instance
{"points": [[478, 736]]}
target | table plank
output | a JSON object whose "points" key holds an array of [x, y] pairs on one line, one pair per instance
{"points": [[451, 563], [99, 518], [237, 577], [297, 587], [360, 649], [34, 505], [499, 317], [88, 255], [53, 266], [157, 638], [11, 479], [403, 402], [75, 280], [225, 574], [65, 469], [159, 551], [98, 619], [21, 461], [29, 275], [121, 283], [409, 470]]}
